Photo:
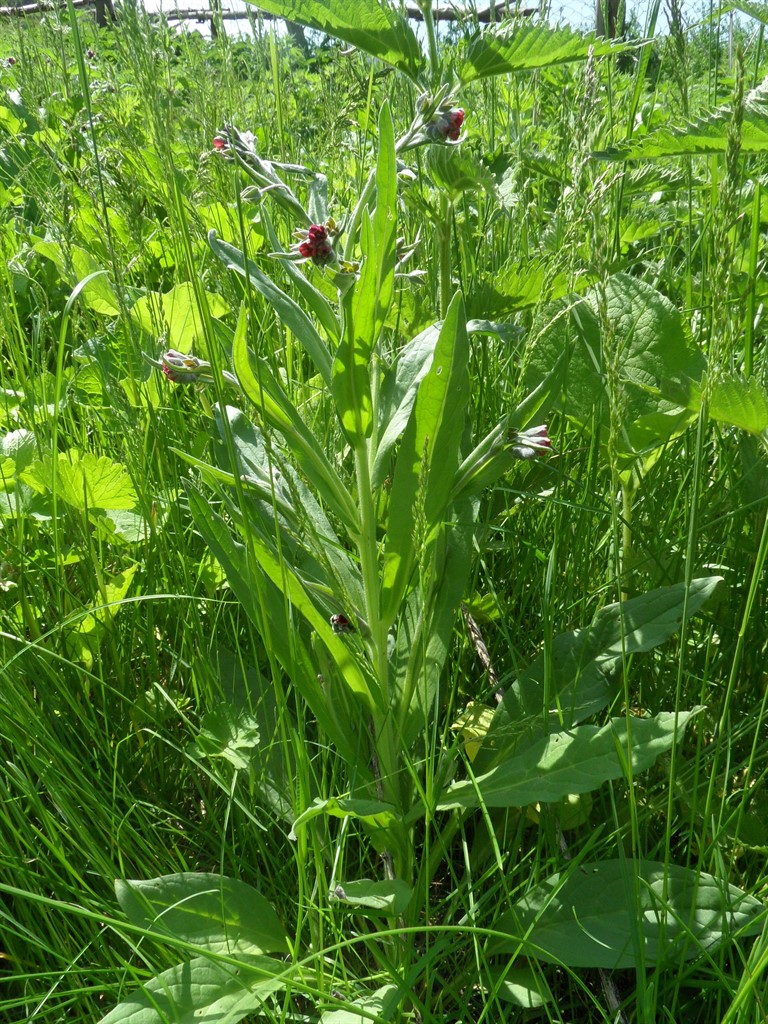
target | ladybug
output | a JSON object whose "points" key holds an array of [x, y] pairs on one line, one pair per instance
{"points": [[341, 624]]}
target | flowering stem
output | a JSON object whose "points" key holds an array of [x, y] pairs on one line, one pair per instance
{"points": [[429, 25], [445, 224]]}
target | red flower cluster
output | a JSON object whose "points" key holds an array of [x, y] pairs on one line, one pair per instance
{"points": [[455, 119], [446, 124], [317, 246]]}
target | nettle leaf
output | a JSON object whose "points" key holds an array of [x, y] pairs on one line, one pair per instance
{"points": [[621, 914], [83, 480], [177, 312], [577, 761], [525, 47], [581, 663], [377, 28], [202, 990], [707, 134], [387, 897], [455, 171], [98, 294], [228, 733], [649, 342], [223, 915]]}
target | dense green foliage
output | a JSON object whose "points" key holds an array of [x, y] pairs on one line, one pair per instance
{"points": [[532, 748]]}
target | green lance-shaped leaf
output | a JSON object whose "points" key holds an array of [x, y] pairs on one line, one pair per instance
{"points": [[266, 608], [202, 990], [622, 914], [398, 393], [526, 47], [706, 135], [581, 664], [428, 456], [374, 27], [270, 400], [368, 305], [577, 761], [291, 314], [314, 299], [223, 915], [425, 628]]}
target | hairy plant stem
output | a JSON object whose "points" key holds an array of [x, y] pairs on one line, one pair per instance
{"points": [[444, 257]]}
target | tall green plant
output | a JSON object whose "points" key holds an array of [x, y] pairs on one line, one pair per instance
{"points": [[345, 523]]}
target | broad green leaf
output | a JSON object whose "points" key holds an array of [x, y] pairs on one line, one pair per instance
{"points": [[707, 134], [260, 385], [649, 342], [98, 294], [291, 314], [177, 313], [735, 401], [604, 914], [398, 393], [372, 26], [523, 46], [372, 812], [582, 663], [381, 821], [83, 480], [230, 734], [223, 915], [203, 991], [387, 897], [428, 457], [379, 1006], [520, 986], [577, 761]]}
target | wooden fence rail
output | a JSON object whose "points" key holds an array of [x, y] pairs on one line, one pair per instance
{"points": [[488, 14]]}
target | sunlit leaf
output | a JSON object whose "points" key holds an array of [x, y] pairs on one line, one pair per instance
{"points": [[223, 915], [619, 914]]}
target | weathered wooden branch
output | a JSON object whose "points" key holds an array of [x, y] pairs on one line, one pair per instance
{"points": [[501, 9]]}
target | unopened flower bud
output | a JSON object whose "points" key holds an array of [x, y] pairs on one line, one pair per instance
{"points": [[529, 444], [184, 369]]}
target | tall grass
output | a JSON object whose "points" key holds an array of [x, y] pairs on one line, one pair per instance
{"points": [[119, 629]]}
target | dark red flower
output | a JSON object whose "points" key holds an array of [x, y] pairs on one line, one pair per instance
{"points": [[455, 120], [317, 246]]}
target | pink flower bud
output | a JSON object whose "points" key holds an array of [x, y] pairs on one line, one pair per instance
{"points": [[531, 443], [219, 144]]}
